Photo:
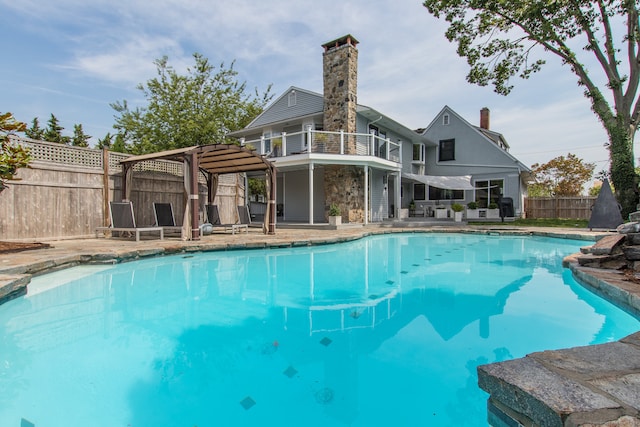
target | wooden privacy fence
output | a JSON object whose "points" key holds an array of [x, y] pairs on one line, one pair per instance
{"points": [[65, 192], [578, 207]]}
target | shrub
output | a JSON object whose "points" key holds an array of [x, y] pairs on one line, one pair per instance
{"points": [[493, 205], [334, 210], [472, 205], [457, 207]]}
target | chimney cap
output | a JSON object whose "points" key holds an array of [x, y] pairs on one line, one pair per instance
{"points": [[347, 39]]}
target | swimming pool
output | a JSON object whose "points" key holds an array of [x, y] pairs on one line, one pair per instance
{"points": [[386, 330]]}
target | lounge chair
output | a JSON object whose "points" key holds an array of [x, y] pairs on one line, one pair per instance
{"points": [[244, 215], [213, 215], [163, 213], [123, 220]]}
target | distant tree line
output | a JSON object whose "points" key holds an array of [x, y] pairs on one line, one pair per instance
{"points": [[53, 133]]}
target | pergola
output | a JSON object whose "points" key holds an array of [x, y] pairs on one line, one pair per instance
{"points": [[213, 160]]}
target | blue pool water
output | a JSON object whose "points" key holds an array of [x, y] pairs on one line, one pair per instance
{"points": [[383, 331]]}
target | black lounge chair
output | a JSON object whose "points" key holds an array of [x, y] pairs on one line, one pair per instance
{"points": [[213, 215], [163, 213], [123, 220]]}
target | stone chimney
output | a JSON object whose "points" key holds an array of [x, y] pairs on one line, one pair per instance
{"points": [[340, 79], [343, 184], [484, 118]]}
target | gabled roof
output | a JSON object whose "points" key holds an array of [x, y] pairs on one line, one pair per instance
{"points": [[313, 104], [495, 138], [387, 122]]}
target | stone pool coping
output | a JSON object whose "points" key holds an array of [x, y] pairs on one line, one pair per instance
{"points": [[584, 386]]}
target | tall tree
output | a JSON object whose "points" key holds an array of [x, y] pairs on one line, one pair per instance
{"points": [[105, 142], [80, 139], [53, 133], [562, 176], [35, 131], [198, 108], [12, 157], [598, 40]]}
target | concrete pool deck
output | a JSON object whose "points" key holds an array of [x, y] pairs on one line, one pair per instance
{"points": [[584, 386]]}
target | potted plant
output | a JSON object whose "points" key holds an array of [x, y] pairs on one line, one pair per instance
{"points": [[441, 211], [472, 210], [457, 209], [335, 217], [493, 211]]}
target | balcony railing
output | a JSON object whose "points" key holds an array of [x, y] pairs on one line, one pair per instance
{"points": [[339, 143]]}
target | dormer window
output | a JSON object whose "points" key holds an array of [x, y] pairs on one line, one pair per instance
{"points": [[292, 98], [445, 119]]}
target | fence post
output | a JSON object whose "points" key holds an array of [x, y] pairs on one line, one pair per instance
{"points": [[106, 197]]}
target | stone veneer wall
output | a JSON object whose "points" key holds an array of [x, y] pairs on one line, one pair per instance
{"points": [[344, 185]]}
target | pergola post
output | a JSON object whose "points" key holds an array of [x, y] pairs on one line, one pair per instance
{"points": [[271, 175], [194, 198]]}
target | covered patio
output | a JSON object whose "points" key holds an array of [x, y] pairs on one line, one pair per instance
{"points": [[212, 160]]}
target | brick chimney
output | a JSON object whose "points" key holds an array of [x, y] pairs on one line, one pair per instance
{"points": [[340, 79], [484, 118]]}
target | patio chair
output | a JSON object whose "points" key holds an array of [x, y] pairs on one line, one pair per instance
{"points": [[244, 215], [123, 220], [213, 215], [163, 213]]}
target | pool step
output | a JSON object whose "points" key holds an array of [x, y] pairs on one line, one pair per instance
{"points": [[613, 262], [605, 253], [606, 246]]}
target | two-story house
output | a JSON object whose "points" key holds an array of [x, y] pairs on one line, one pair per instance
{"points": [[330, 150]]}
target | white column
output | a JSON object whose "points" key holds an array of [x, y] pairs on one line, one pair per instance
{"points": [[310, 193], [398, 181], [366, 195]]}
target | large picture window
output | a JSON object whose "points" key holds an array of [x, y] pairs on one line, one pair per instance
{"points": [[436, 193], [419, 192], [488, 192], [447, 150]]}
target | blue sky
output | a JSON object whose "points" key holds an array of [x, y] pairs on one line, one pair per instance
{"points": [[73, 58]]}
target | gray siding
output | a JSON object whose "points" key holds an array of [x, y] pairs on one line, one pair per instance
{"points": [[473, 152], [475, 155], [296, 196], [307, 103]]}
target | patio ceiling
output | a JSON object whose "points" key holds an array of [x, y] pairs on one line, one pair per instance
{"points": [[213, 158]]}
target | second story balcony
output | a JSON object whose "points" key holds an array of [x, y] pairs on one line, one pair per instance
{"points": [[322, 142]]}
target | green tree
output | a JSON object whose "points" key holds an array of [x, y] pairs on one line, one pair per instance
{"points": [[80, 139], [119, 145], [12, 156], [562, 176], [35, 131], [53, 132], [198, 108], [105, 142], [599, 41]]}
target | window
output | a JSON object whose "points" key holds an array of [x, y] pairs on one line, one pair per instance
{"points": [[292, 98], [419, 192], [447, 150], [445, 119], [267, 142], [488, 192], [436, 193], [418, 152]]}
